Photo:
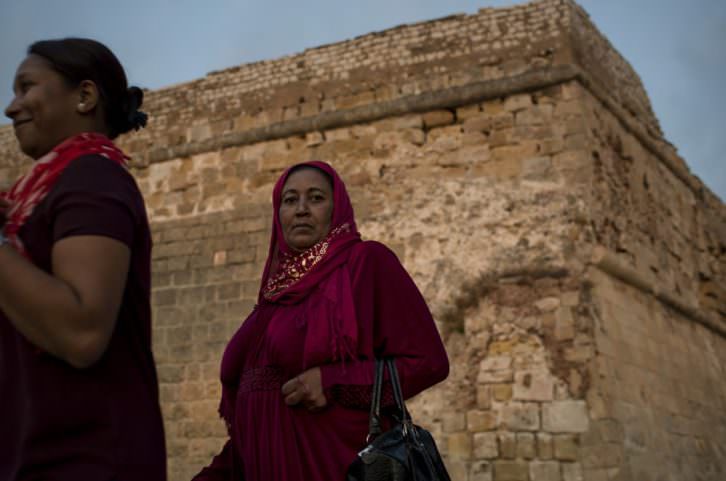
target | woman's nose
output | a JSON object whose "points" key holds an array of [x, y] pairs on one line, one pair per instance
{"points": [[12, 109], [302, 207]]}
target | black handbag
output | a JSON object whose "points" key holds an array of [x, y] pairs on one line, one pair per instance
{"points": [[405, 452]]}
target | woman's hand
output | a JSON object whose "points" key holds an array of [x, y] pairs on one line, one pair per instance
{"points": [[305, 389]]}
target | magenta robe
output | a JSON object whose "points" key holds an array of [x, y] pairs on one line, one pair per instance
{"points": [[270, 441]]}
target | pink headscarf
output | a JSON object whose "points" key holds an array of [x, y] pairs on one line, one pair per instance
{"points": [[290, 277], [332, 327]]}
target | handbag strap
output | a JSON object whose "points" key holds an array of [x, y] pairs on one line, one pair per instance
{"points": [[374, 422], [397, 391]]}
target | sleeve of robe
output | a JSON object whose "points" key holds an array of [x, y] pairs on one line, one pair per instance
{"points": [[393, 320]]}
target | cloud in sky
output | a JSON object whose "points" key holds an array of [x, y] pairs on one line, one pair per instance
{"points": [[675, 46]]}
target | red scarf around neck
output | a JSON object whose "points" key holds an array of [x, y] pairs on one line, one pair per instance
{"points": [[31, 189]]}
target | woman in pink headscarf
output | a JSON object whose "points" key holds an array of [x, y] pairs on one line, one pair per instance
{"points": [[298, 374]]}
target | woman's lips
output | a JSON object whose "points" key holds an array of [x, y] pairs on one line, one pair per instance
{"points": [[19, 123]]}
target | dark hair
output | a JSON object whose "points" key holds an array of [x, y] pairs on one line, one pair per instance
{"points": [[79, 59]]}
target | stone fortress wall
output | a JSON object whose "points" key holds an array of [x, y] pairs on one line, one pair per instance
{"points": [[574, 265]]}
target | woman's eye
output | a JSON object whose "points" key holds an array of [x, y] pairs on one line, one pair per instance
{"points": [[24, 86], [288, 200]]}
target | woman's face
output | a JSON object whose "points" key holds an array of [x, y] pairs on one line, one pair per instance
{"points": [[306, 208], [44, 107]]}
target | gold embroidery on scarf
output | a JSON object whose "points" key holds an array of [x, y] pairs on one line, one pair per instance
{"points": [[294, 267]]}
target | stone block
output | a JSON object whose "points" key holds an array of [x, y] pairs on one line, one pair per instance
{"points": [[500, 137], [497, 169], [488, 374], [507, 445], [477, 421], [453, 421], [565, 447], [164, 297], [517, 102], [564, 324], [573, 162], [493, 107], [199, 133], [503, 120], [485, 446], [534, 115], [477, 125], [572, 472], [565, 417], [176, 447], [314, 138], [219, 258], [511, 471], [520, 416], [553, 146], [229, 291], [342, 133], [437, 118], [177, 336], [578, 354], [475, 138], [501, 392], [467, 112], [514, 153], [459, 445], [204, 447], [526, 447], [536, 168], [544, 471], [170, 373], [495, 363], [412, 121], [544, 446], [457, 468], [547, 304], [533, 386], [483, 397], [570, 108], [480, 471]]}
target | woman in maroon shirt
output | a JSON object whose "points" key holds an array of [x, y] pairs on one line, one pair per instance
{"points": [[297, 375], [78, 388]]}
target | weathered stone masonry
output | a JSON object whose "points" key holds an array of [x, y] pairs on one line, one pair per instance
{"points": [[511, 158]]}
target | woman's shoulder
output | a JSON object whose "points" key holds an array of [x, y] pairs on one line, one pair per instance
{"points": [[96, 164], [96, 173], [370, 250]]}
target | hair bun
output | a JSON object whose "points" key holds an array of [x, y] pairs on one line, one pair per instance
{"points": [[136, 118]]}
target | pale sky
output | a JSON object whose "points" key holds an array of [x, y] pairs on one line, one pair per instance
{"points": [[678, 47]]}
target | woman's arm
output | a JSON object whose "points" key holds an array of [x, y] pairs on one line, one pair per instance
{"points": [[394, 321], [71, 313], [69, 307]]}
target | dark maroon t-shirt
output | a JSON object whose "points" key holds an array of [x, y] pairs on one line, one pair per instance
{"points": [[58, 423]]}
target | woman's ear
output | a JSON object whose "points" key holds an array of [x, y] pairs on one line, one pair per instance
{"points": [[88, 96]]}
